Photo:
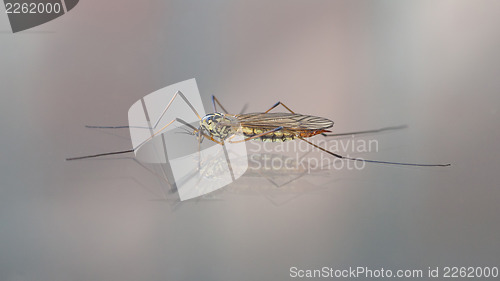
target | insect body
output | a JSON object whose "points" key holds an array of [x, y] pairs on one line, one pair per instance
{"points": [[261, 126], [264, 126], [294, 125]]}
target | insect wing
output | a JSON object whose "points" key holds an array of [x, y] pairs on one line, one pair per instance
{"points": [[289, 121]]}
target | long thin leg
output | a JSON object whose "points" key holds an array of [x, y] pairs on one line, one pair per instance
{"points": [[211, 138], [115, 127], [259, 135], [278, 103], [183, 122], [215, 100], [178, 93], [143, 142], [100, 154], [366, 132], [373, 161]]}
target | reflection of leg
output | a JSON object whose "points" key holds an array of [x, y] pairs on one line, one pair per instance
{"points": [[278, 103], [257, 136], [269, 179], [215, 100], [163, 178], [228, 163]]}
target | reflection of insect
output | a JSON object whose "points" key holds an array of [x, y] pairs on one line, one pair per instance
{"points": [[275, 127]]}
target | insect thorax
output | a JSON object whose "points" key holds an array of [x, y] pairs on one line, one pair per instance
{"points": [[218, 125]]}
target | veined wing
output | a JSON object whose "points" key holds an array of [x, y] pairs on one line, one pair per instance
{"points": [[289, 121]]}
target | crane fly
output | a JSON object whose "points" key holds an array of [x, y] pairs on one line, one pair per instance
{"points": [[222, 127]]}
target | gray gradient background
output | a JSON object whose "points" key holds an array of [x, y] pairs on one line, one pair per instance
{"points": [[433, 65]]}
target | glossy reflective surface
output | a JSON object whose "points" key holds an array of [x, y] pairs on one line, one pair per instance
{"points": [[433, 66]]}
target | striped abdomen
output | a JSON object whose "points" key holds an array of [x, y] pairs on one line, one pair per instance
{"points": [[279, 136]]}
